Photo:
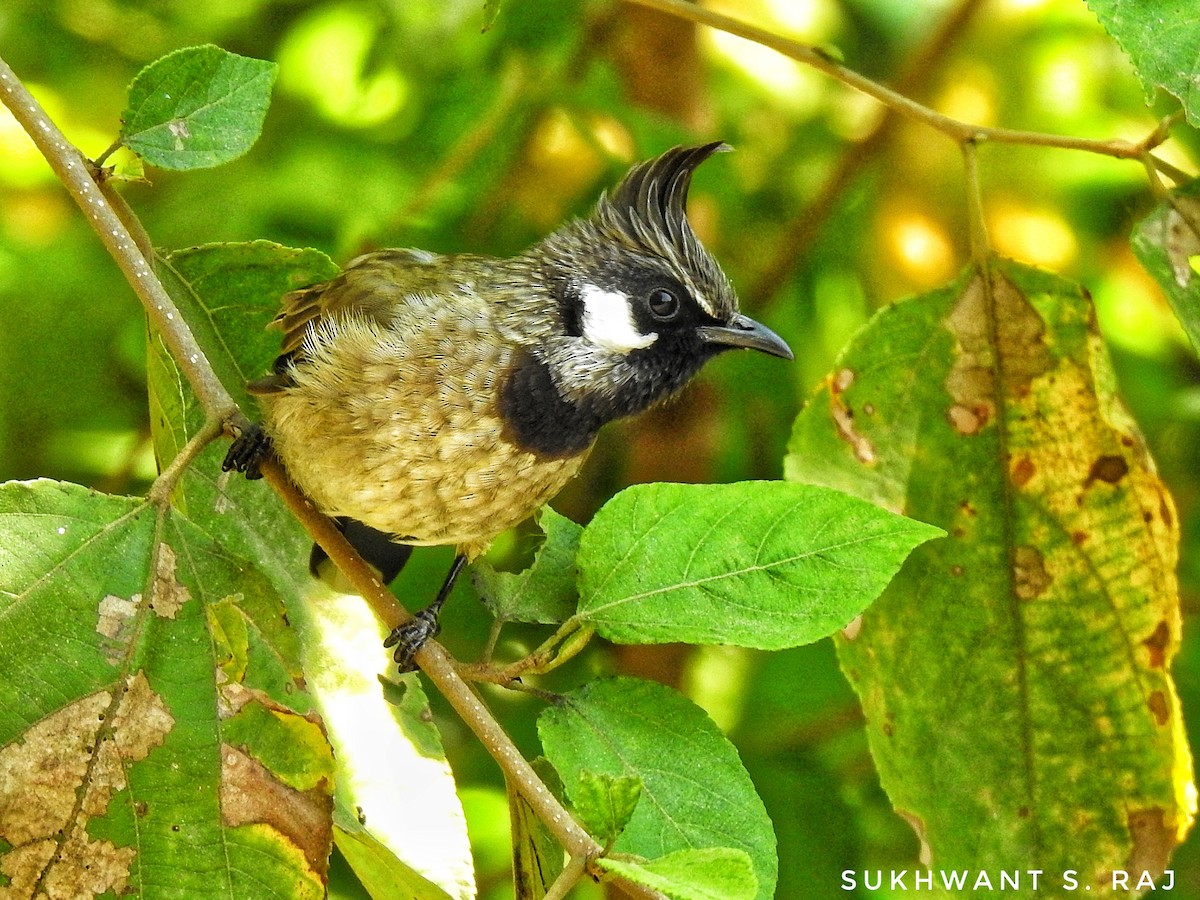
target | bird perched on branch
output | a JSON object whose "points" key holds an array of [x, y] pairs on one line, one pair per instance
{"points": [[425, 399]]}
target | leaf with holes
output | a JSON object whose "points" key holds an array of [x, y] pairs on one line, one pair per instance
{"points": [[152, 709]]}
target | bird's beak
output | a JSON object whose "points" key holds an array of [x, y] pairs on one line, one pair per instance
{"points": [[742, 331]]}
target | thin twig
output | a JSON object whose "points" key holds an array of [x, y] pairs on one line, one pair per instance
{"points": [[112, 148], [567, 879], [493, 638], [567, 642], [1157, 188], [980, 245], [824, 62], [160, 491], [1174, 173], [1160, 134]]}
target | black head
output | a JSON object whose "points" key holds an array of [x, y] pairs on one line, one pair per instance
{"points": [[645, 216], [642, 304], [634, 272]]}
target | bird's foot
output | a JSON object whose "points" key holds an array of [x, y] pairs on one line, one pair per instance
{"points": [[412, 636], [247, 452]]}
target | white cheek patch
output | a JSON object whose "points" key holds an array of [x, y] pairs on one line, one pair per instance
{"points": [[608, 321]]}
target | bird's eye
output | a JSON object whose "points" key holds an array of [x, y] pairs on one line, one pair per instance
{"points": [[663, 303]]}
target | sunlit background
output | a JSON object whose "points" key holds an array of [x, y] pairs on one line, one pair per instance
{"points": [[401, 124]]}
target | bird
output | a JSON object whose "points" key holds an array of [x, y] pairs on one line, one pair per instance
{"points": [[426, 399]]}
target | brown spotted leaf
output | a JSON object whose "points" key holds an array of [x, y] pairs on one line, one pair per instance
{"points": [[155, 736], [1015, 676]]}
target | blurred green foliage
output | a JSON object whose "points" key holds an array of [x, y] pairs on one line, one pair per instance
{"points": [[401, 124]]}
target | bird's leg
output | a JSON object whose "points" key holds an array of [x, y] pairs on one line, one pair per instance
{"points": [[248, 451], [412, 635]]}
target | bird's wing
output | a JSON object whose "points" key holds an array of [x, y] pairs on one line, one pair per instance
{"points": [[371, 287]]}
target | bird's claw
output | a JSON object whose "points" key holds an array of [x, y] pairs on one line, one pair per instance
{"points": [[247, 452], [412, 636]]}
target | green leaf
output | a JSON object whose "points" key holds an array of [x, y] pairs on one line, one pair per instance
{"points": [[537, 854], [1040, 633], [228, 293], [545, 592], [604, 803], [1167, 243], [757, 564], [378, 868], [152, 709], [715, 873], [197, 107], [1162, 38], [695, 792]]}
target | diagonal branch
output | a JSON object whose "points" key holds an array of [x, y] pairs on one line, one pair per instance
{"points": [[790, 249], [77, 175], [896, 103], [956, 129]]}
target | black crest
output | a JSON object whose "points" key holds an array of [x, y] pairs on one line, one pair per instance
{"points": [[647, 212]]}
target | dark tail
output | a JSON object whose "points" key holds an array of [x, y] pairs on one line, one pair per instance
{"points": [[375, 547]]}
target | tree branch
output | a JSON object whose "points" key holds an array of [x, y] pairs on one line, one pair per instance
{"points": [[75, 172], [822, 61], [790, 249]]}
